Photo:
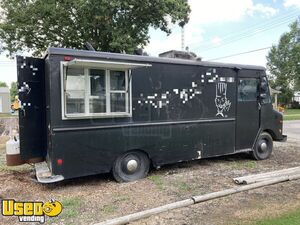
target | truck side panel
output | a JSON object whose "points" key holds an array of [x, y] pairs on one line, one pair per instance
{"points": [[194, 117]]}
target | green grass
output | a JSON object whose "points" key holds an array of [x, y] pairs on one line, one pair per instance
{"points": [[183, 187], [71, 210], [121, 198], [239, 165], [291, 218], [292, 111], [71, 207], [108, 209], [157, 180], [291, 114]]}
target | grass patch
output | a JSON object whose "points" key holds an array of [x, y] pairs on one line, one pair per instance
{"points": [[71, 207], [291, 117], [183, 187], [291, 218], [238, 165], [108, 209], [157, 180], [121, 198], [291, 114], [292, 111]]}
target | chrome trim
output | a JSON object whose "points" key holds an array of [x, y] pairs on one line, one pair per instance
{"points": [[140, 124]]}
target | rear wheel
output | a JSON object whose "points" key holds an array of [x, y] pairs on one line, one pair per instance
{"points": [[131, 166], [263, 147]]}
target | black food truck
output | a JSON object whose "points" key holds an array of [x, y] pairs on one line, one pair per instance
{"points": [[87, 112]]}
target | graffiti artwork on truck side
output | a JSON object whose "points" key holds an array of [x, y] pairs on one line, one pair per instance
{"points": [[221, 101]]}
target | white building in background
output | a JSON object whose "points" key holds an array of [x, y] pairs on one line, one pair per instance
{"points": [[296, 96], [4, 100]]}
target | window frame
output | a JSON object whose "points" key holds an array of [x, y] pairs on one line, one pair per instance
{"points": [[108, 91]]}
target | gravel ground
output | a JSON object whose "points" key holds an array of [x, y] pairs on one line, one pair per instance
{"points": [[93, 199]]}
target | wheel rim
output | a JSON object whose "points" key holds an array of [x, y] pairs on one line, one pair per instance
{"points": [[130, 164], [264, 148]]}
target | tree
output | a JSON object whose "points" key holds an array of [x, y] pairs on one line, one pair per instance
{"points": [[13, 90], [284, 63], [109, 25], [3, 84]]}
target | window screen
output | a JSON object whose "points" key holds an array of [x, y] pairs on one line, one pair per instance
{"points": [[248, 89], [117, 80], [75, 90], [118, 91], [97, 91]]}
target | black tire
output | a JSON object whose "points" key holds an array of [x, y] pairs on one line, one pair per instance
{"points": [[131, 166], [263, 147]]}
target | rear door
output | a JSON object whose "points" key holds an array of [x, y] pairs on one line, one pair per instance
{"points": [[247, 117], [31, 85]]}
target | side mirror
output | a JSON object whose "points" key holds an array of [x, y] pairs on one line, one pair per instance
{"points": [[263, 87], [263, 96]]}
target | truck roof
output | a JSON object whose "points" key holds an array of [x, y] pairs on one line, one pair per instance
{"points": [[139, 58]]}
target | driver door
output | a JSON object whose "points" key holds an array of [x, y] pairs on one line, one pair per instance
{"points": [[248, 111]]}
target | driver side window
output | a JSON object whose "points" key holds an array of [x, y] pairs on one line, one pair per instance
{"points": [[264, 90], [247, 89]]}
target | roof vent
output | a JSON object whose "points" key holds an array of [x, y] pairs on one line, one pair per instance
{"points": [[180, 55]]}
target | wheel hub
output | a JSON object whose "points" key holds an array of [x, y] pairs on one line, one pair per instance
{"points": [[132, 165], [263, 146]]}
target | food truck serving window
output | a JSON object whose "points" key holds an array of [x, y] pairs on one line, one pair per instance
{"points": [[96, 89]]}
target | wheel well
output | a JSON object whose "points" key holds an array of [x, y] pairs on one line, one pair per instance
{"points": [[271, 133]]}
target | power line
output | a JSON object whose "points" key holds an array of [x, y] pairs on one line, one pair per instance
{"points": [[258, 30], [241, 53], [247, 36], [256, 26]]}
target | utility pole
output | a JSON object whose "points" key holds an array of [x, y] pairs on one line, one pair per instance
{"points": [[182, 38]]}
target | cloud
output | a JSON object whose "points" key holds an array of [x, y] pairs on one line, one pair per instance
{"points": [[216, 41], [291, 3], [216, 11], [264, 10], [206, 13], [160, 42]]}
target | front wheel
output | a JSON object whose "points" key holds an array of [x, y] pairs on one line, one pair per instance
{"points": [[263, 147], [131, 166]]}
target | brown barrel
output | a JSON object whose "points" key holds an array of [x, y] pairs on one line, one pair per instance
{"points": [[14, 160]]}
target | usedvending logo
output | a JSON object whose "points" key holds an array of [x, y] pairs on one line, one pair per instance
{"points": [[31, 211]]}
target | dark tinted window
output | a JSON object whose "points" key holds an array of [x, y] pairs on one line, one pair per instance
{"points": [[97, 96], [248, 89], [265, 91], [117, 80]]}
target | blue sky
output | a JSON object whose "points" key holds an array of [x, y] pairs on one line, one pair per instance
{"points": [[218, 28]]}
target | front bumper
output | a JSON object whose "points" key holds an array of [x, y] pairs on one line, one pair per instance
{"points": [[284, 138]]}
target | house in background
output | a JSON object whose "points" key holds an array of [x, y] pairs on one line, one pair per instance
{"points": [[296, 96], [4, 100], [275, 94]]}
